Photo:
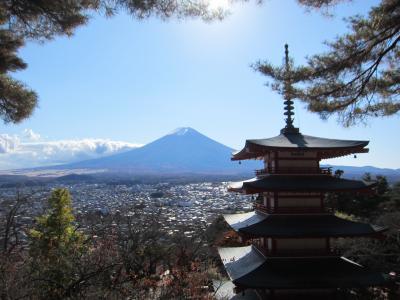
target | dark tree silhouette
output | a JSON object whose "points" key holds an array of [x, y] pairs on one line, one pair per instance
{"points": [[359, 76]]}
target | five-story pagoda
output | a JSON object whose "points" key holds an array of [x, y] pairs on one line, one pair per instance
{"points": [[287, 238]]}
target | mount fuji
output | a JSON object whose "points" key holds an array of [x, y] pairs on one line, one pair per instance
{"points": [[184, 150]]}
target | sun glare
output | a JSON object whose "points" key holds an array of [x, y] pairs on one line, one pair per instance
{"points": [[218, 4]]}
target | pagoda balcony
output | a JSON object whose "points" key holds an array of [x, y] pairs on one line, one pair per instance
{"points": [[285, 210], [304, 252], [297, 252], [294, 170]]}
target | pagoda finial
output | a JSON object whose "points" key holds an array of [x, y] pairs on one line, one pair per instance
{"points": [[287, 55], [288, 96]]}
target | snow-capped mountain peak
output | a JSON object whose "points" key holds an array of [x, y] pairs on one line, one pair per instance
{"points": [[182, 131]]}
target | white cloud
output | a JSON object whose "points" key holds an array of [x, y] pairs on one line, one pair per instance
{"points": [[8, 143], [15, 153], [30, 135]]}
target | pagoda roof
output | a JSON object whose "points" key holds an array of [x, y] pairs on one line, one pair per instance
{"points": [[295, 141], [248, 268], [225, 290], [257, 224], [299, 183]]}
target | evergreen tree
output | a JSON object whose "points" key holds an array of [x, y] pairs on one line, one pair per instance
{"points": [[359, 77], [361, 205], [55, 244], [394, 199]]}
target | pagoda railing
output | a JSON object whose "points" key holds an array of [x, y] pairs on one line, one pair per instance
{"points": [[294, 170], [297, 252], [282, 209], [306, 252]]}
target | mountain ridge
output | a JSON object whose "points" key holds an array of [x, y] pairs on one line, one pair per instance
{"points": [[184, 150]]}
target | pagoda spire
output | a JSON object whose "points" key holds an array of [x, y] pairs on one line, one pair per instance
{"points": [[287, 95]]}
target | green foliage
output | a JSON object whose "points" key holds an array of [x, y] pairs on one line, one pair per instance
{"points": [[120, 257], [344, 216], [318, 4], [16, 100], [382, 253], [379, 254], [55, 244], [361, 205], [393, 203], [55, 229], [359, 76]]}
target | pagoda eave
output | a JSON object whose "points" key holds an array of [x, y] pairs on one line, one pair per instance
{"points": [[248, 234], [247, 268], [299, 183], [255, 225], [252, 191], [326, 148], [258, 153]]}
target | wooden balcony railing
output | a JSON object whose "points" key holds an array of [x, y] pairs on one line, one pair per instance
{"points": [[306, 252], [294, 170], [294, 210], [298, 252]]}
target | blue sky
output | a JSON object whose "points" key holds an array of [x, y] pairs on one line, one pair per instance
{"points": [[130, 82]]}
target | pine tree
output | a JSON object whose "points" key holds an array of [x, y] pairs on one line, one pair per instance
{"points": [[359, 77], [55, 244]]}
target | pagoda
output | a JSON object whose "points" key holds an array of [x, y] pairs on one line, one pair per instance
{"points": [[287, 238]]}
